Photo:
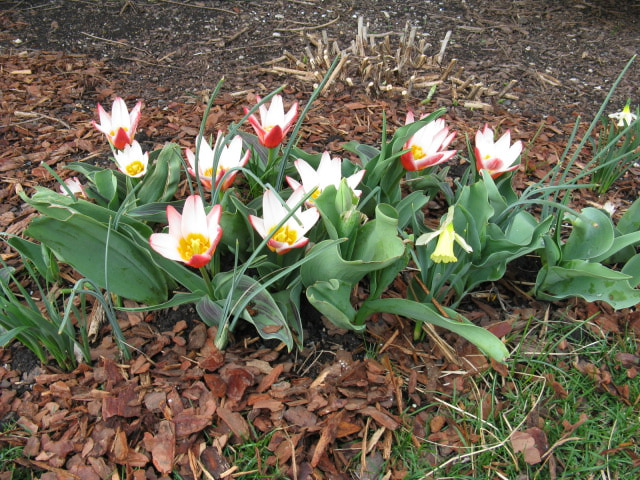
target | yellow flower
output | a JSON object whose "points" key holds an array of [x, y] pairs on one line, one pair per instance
{"points": [[625, 117], [446, 234]]}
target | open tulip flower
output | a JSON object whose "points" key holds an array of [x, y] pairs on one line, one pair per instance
{"points": [[291, 234], [193, 236], [496, 157], [120, 126], [329, 173], [131, 161], [230, 157], [273, 124], [446, 235], [428, 146]]}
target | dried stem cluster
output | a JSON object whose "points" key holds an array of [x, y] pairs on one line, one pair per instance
{"points": [[380, 65]]}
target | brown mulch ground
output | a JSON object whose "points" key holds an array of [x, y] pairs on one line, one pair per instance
{"points": [[180, 402]]}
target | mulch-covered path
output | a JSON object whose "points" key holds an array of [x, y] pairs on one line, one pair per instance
{"points": [[329, 409]]}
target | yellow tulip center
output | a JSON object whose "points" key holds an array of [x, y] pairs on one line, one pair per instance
{"points": [[134, 168], [417, 152], [193, 244], [284, 235], [316, 193]]}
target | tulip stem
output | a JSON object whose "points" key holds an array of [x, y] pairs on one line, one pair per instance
{"points": [[207, 280], [271, 156]]}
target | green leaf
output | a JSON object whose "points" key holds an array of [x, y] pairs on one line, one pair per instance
{"points": [[332, 299], [7, 336], [486, 341], [81, 242], [592, 235], [39, 255], [630, 220], [619, 243], [107, 186], [253, 303], [161, 181], [411, 206], [590, 281], [632, 268], [61, 207], [378, 246]]}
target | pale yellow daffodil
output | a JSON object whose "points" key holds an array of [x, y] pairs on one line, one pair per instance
{"points": [[447, 236], [625, 117]]}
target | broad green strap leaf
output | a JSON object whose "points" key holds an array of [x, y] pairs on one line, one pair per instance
{"points": [[632, 268], [630, 220], [333, 299], [592, 235], [486, 341], [619, 243], [61, 207], [81, 242], [378, 246], [590, 281], [161, 181]]}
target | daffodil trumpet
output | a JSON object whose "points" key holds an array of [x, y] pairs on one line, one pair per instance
{"points": [[446, 236]]}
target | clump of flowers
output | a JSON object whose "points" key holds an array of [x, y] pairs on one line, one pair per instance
{"points": [[249, 254]]}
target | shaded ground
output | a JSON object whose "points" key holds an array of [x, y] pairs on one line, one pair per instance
{"points": [[60, 57]]}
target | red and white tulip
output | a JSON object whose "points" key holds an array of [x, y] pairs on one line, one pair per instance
{"points": [[292, 233], [193, 236]]}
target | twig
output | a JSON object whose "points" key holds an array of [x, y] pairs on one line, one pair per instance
{"points": [[202, 7], [116, 42], [299, 29], [36, 116]]}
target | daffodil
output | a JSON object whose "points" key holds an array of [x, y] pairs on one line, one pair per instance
{"points": [[74, 186], [625, 117], [428, 146], [447, 236], [230, 157], [193, 236], [329, 173], [131, 161], [119, 126], [274, 123], [292, 233], [496, 157]]}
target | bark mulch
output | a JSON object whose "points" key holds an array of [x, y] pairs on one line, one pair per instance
{"points": [[180, 404]]}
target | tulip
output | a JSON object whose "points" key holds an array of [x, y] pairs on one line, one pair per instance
{"points": [[446, 235], [120, 126], [74, 186], [193, 236], [131, 161], [291, 234], [230, 156], [625, 117], [496, 157], [274, 124], [427, 147], [329, 173]]}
